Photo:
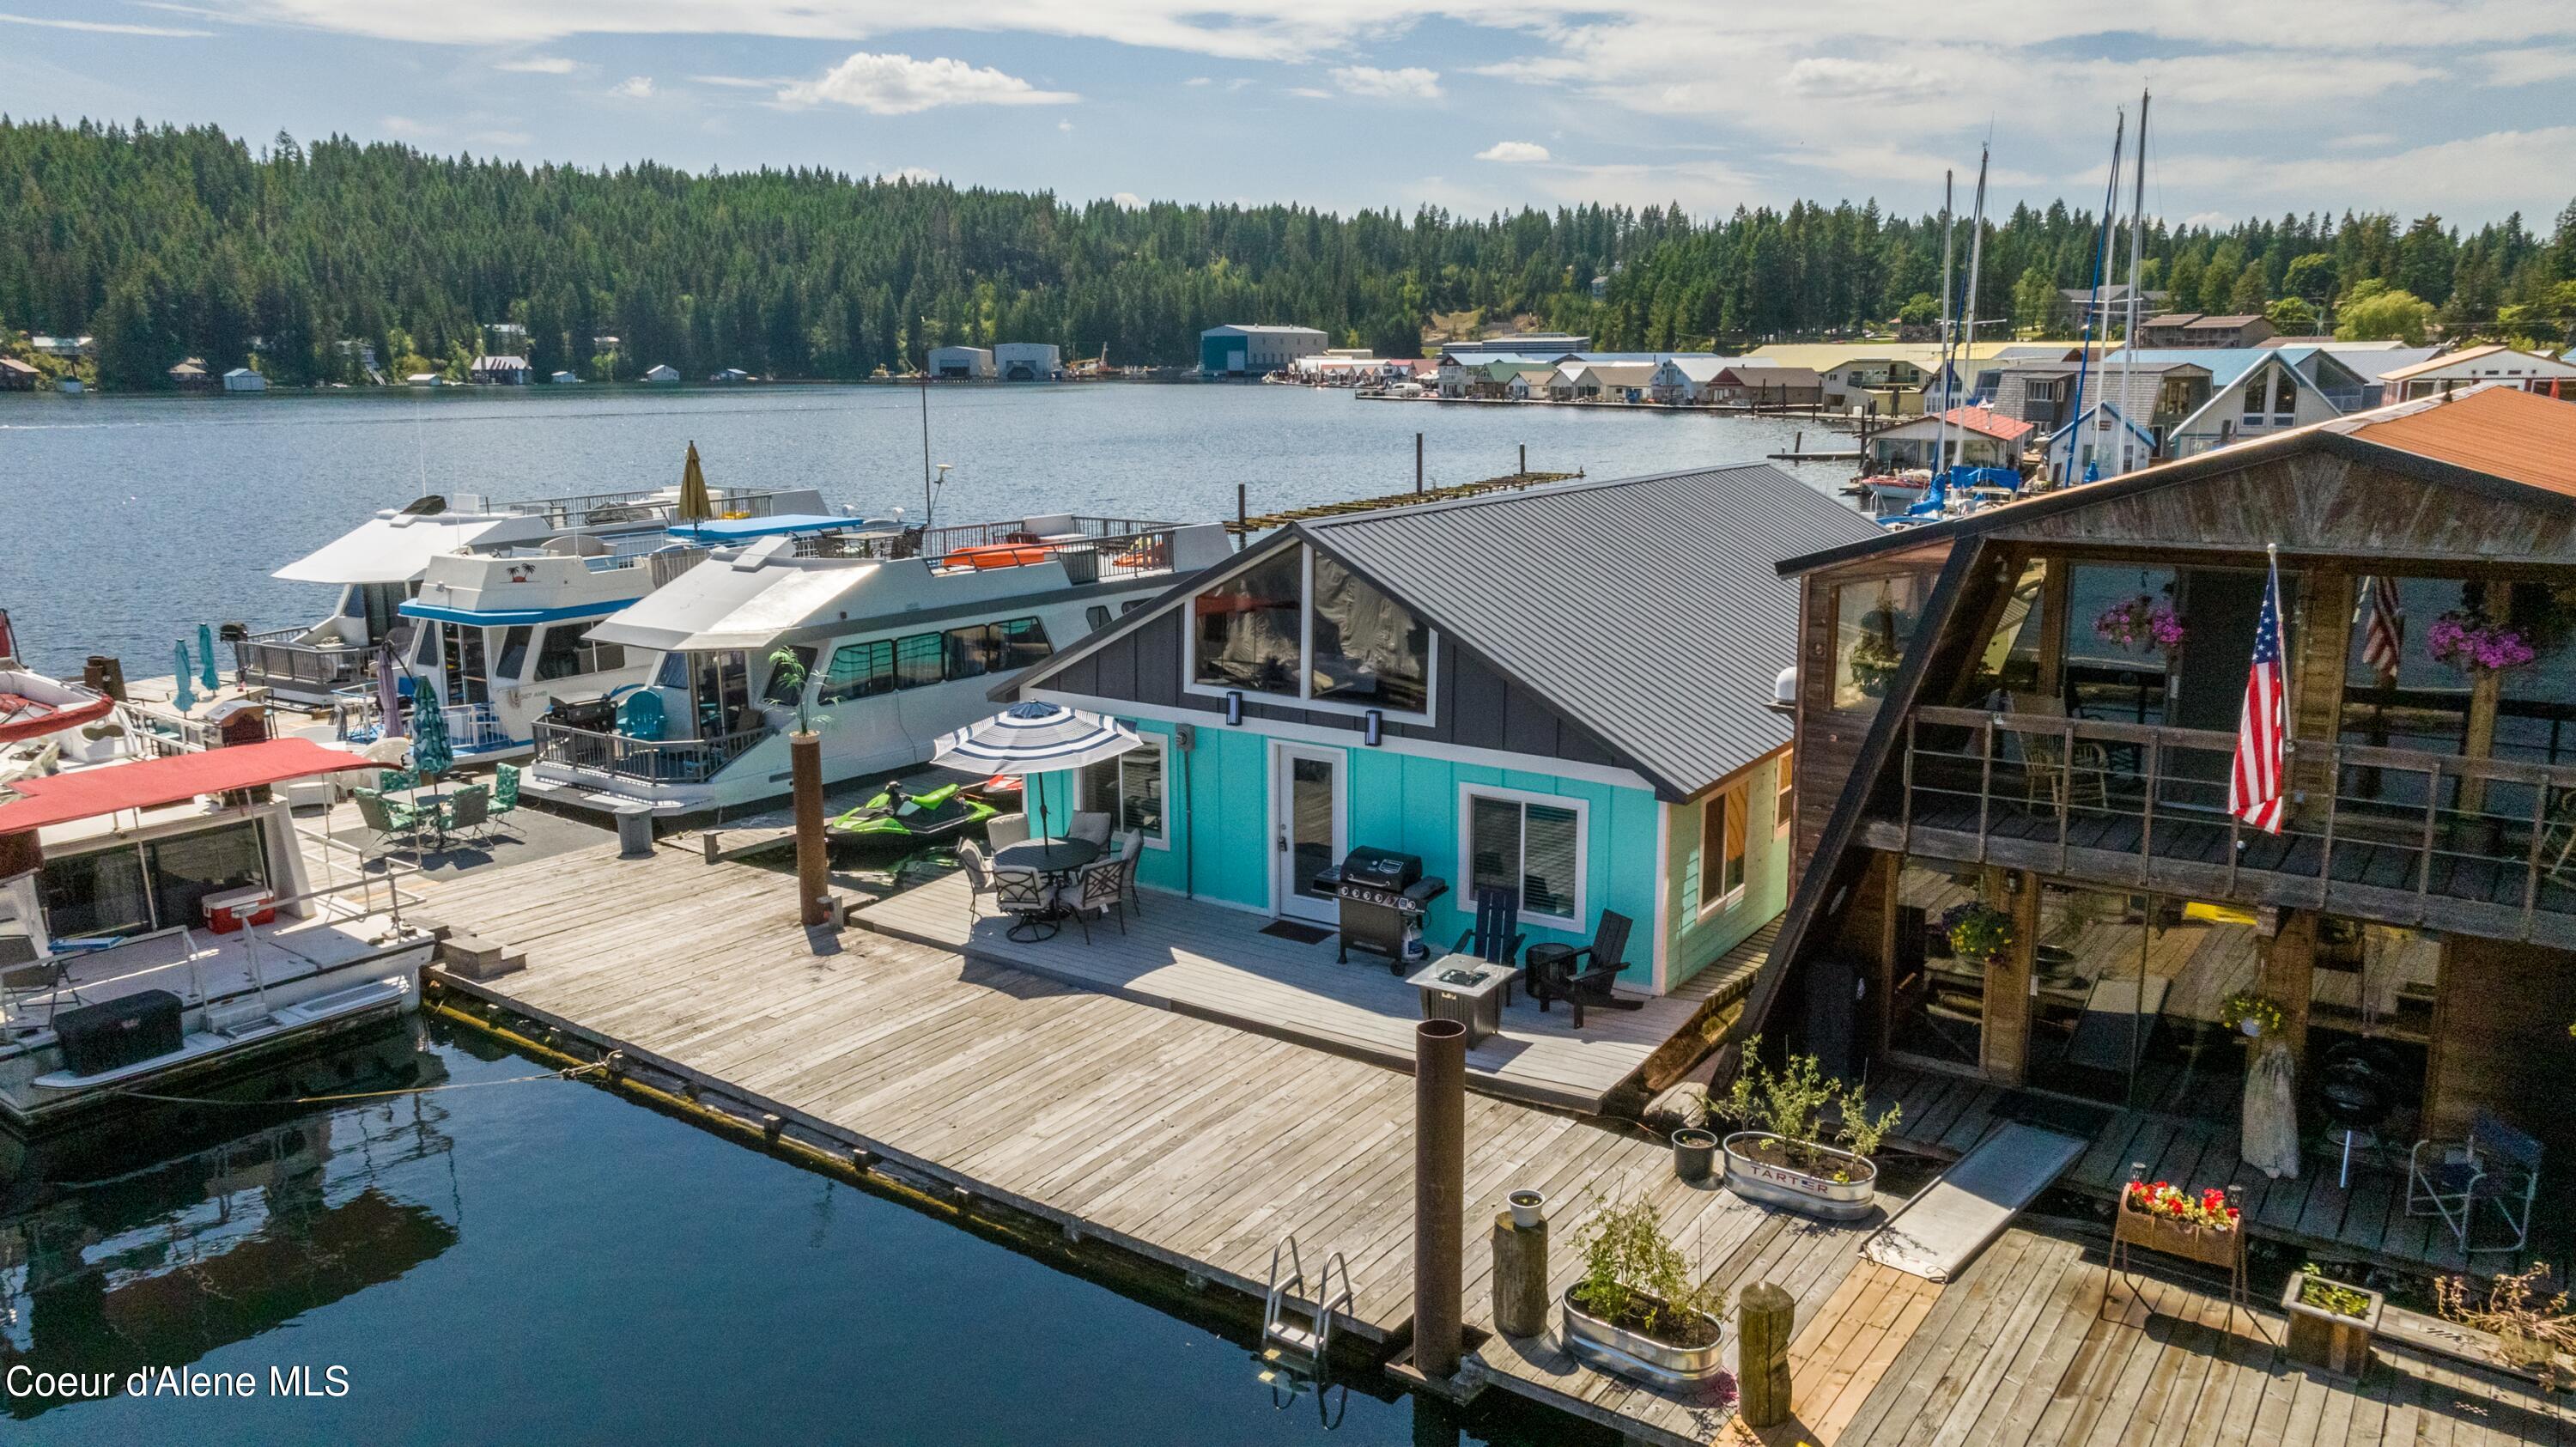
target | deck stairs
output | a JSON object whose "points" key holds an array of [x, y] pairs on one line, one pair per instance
{"points": [[1297, 1327]]}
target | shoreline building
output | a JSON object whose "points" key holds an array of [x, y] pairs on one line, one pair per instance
{"points": [[1255, 350]]}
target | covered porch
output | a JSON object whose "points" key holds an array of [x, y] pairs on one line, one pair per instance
{"points": [[1225, 964]]}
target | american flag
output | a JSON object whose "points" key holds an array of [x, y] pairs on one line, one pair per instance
{"points": [[2262, 738], [2385, 642]]}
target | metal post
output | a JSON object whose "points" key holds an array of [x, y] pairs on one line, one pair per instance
{"points": [[1439, 1193], [813, 862], [1417, 462], [1242, 516], [2553, 737]]}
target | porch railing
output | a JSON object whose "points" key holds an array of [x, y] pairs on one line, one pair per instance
{"points": [[274, 659], [2485, 845], [660, 761]]}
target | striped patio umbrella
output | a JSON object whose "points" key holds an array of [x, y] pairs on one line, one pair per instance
{"points": [[695, 506], [1034, 738]]}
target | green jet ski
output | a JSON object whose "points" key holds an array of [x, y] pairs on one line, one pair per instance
{"points": [[897, 814]]}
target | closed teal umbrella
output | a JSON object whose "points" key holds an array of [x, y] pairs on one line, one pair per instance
{"points": [[206, 675], [183, 699], [431, 753]]}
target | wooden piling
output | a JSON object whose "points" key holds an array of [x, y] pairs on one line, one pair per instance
{"points": [[1765, 1320], [813, 860], [1439, 1193], [1520, 1277], [1417, 462]]}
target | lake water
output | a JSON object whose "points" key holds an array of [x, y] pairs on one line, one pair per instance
{"points": [[547, 1262], [133, 519]]}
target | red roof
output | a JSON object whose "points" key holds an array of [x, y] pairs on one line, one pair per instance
{"points": [[1988, 421], [88, 793], [2498, 430]]}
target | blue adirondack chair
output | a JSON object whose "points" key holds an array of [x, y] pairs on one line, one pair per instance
{"points": [[1496, 935]]}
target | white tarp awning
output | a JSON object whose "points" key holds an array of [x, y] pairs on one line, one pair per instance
{"points": [[398, 548], [720, 604]]}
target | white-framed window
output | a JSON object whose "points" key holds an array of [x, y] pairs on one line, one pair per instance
{"points": [[1299, 627], [1129, 788], [1534, 843], [1721, 849]]}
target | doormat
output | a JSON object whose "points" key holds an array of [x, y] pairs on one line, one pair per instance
{"points": [[1289, 929], [2049, 1112]]}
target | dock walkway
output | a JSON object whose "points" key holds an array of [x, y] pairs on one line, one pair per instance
{"points": [[1194, 1143]]}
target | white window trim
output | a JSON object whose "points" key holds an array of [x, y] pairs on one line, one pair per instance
{"points": [[1733, 897], [1304, 697], [1468, 793], [1160, 744]]}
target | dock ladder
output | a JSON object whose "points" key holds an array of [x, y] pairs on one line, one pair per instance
{"points": [[1286, 1340]]}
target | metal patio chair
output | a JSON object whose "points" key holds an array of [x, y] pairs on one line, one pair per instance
{"points": [[1004, 830], [1100, 885], [2495, 1164]]}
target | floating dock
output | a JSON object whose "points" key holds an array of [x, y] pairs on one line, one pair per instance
{"points": [[1198, 1144]]}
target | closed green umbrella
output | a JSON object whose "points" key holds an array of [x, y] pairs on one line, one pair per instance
{"points": [[183, 699], [431, 753], [206, 676]]}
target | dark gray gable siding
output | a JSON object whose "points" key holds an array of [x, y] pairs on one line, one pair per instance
{"points": [[1475, 707]]}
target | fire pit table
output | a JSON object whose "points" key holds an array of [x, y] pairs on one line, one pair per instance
{"points": [[1465, 989]]}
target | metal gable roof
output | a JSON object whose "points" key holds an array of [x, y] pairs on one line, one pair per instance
{"points": [[1646, 609]]}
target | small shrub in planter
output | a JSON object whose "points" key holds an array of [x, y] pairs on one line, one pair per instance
{"points": [[1786, 1154], [2532, 1326], [1639, 1310], [2331, 1324]]}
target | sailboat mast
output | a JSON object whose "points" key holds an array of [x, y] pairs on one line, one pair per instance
{"points": [[2093, 298], [2137, 243], [1949, 233], [1976, 260]]}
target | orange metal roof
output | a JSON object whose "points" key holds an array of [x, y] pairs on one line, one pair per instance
{"points": [[2501, 431], [1988, 421]]}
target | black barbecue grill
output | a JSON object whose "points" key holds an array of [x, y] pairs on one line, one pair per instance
{"points": [[1383, 895]]}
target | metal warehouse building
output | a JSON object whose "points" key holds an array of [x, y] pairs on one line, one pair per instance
{"points": [[1239, 351]]}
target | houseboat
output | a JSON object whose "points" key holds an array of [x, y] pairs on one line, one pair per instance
{"points": [[1897, 472], [379, 565], [1563, 693], [159, 930], [2015, 736], [896, 639]]}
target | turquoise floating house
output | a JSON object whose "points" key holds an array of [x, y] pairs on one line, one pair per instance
{"points": [[1567, 690]]}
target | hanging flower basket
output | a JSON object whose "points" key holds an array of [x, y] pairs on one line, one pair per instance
{"points": [[2475, 644], [2253, 1014], [2142, 625], [1978, 931], [1873, 664]]}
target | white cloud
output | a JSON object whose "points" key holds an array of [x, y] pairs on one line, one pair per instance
{"points": [[917, 175], [501, 138], [2485, 174], [744, 82], [1196, 80], [537, 65], [1308, 92], [102, 27], [1411, 82], [896, 85], [633, 87], [1064, 125], [1840, 77], [405, 126], [1514, 152], [2529, 67], [1128, 200]]}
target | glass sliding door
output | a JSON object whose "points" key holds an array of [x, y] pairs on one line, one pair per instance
{"points": [[1938, 998], [2094, 1004]]}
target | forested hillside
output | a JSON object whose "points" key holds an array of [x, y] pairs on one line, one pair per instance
{"points": [[171, 242]]}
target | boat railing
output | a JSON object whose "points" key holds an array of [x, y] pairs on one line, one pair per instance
{"points": [[602, 509], [156, 736], [2398, 835], [660, 761], [267, 660], [957, 537]]}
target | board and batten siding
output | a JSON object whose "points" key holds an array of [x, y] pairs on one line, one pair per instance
{"points": [[1473, 705], [1694, 940]]}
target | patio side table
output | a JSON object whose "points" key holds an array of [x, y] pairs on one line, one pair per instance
{"points": [[1465, 989]]}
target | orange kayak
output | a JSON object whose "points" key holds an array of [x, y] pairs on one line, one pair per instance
{"points": [[999, 555]]}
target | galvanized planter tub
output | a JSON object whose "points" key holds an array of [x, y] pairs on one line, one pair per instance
{"points": [[1776, 1185], [1615, 1349]]}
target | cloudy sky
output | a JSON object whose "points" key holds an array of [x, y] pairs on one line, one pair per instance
{"points": [[2454, 106]]}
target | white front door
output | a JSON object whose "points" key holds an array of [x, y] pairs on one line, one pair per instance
{"points": [[1306, 818]]}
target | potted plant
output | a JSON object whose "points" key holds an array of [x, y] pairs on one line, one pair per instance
{"points": [[1638, 1311], [2253, 1015], [1781, 1156], [2195, 1225], [2143, 624], [2532, 1327], [2331, 1324], [1694, 1151], [1977, 931]]}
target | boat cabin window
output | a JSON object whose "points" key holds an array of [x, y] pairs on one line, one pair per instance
{"points": [[920, 661], [1369, 649], [721, 688], [461, 659], [1129, 788], [563, 652], [1530, 843], [157, 885], [674, 672], [1874, 620], [424, 656], [859, 670], [375, 604], [780, 691], [1246, 628], [514, 651]]}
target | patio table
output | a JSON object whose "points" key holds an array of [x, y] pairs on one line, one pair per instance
{"points": [[1465, 989], [1056, 861]]}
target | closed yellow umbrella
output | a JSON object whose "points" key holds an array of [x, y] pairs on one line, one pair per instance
{"points": [[694, 506]]}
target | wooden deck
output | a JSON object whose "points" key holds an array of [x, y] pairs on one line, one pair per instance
{"points": [[1182, 1139], [1946, 1114], [1214, 962]]}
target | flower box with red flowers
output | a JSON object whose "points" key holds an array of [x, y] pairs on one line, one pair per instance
{"points": [[2197, 1226]]}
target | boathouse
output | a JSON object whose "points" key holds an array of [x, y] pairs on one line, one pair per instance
{"points": [[962, 363], [1251, 351], [1597, 736], [2030, 714], [1028, 361]]}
